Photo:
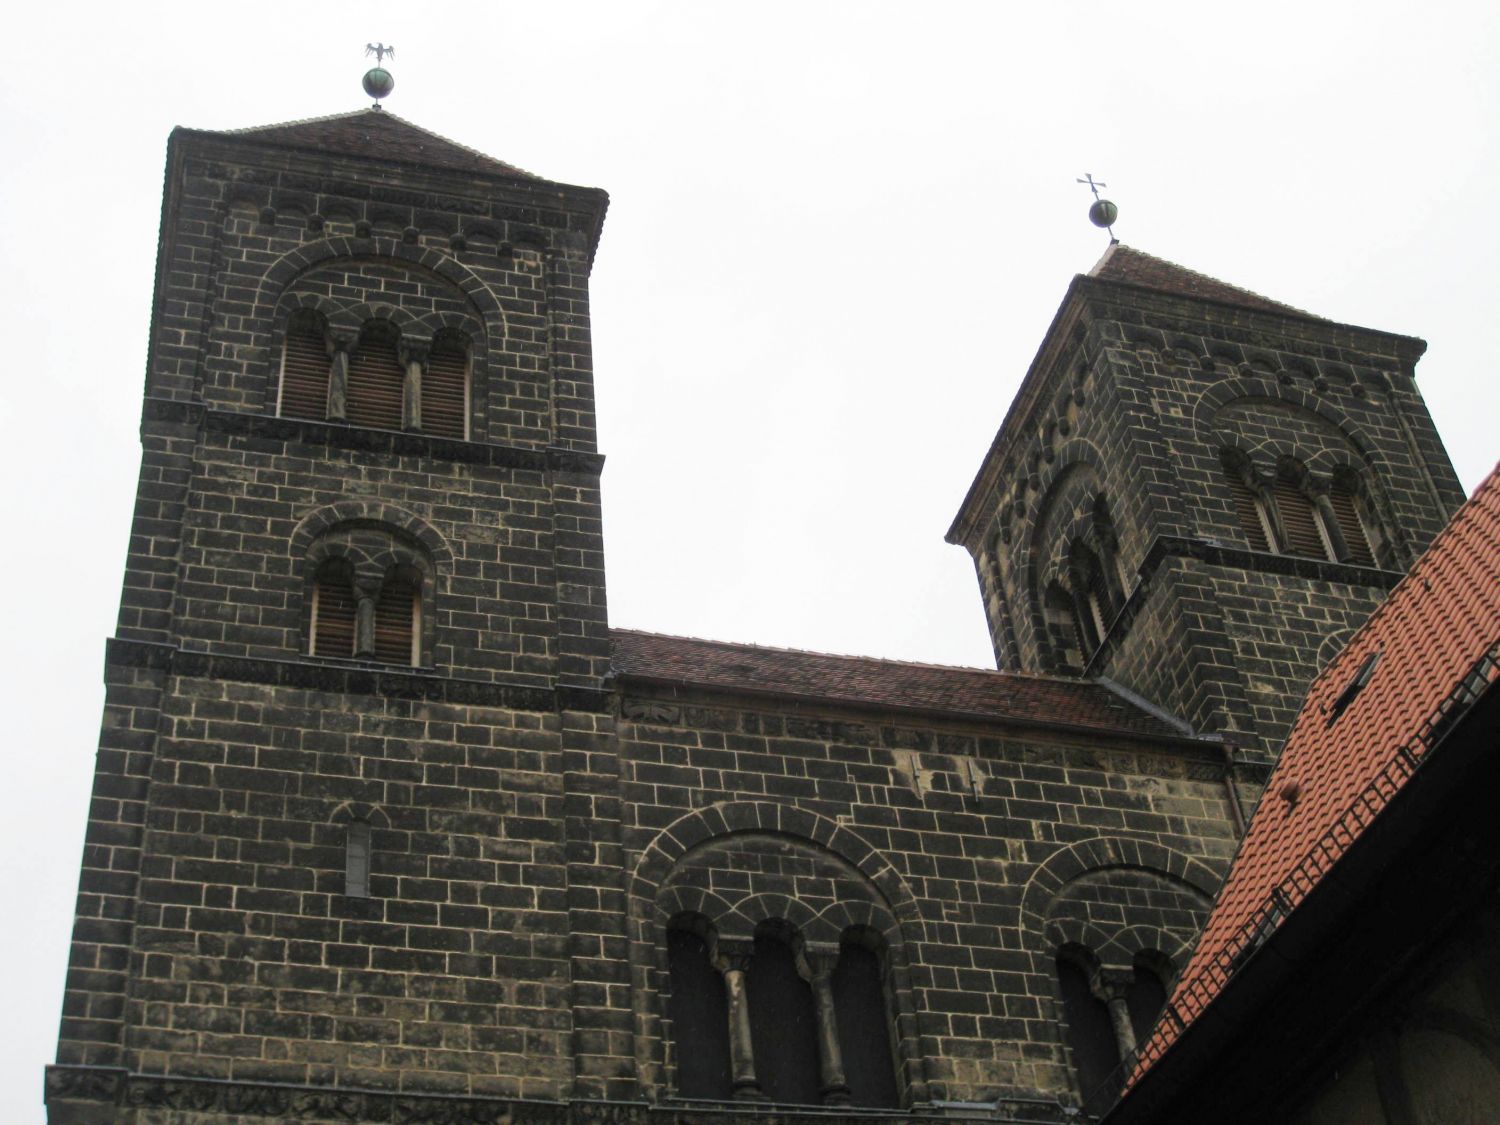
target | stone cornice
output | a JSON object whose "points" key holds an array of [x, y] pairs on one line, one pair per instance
{"points": [[397, 443], [78, 1093], [1214, 553], [348, 677]]}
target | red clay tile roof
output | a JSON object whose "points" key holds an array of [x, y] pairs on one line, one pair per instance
{"points": [[971, 692], [1436, 626], [1122, 263], [378, 134]]}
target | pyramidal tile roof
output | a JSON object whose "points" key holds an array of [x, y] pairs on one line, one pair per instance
{"points": [[1426, 650], [1135, 267], [862, 680], [378, 134]]}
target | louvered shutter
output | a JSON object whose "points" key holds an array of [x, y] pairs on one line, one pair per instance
{"points": [[1248, 511], [445, 390], [376, 378], [1300, 521], [1351, 527], [334, 609], [304, 374], [395, 622]]}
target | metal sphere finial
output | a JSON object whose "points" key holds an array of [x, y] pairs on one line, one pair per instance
{"points": [[378, 82], [1103, 213]]}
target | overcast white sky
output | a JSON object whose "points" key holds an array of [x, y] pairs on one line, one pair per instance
{"points": [[837, 233]]}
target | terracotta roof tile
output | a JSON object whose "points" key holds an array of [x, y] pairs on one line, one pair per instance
{"points": [[378, 134], [1430, 634], [1135, 267], [971, 692]]}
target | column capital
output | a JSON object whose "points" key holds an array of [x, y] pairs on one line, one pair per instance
{"points": [[340, 341], [414, 349]]}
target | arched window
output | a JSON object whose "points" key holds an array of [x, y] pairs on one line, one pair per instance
{"points": [[1089, 1033], [398, 617], [1250, 511], [1302, 529], [1061, 618], [1345, 505], [445, 387], [304, 368], [359, 610], [783, 1022], [334, 610], [864, 1023], [1296, 515], [699, 1012], [377, 378], [1146, 995]]}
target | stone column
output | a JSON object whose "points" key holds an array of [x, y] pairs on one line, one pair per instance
{"points": [[364, 626], [734, 962], [414, 359], [1111, 987], [817, 969], [340, 344]]}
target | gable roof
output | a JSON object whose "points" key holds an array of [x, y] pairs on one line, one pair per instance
{"points": [[1436, 642], [378, 134], [972, 693], [1135, 267]]}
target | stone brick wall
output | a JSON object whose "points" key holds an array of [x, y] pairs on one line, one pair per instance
{"points": [[960, 842]]}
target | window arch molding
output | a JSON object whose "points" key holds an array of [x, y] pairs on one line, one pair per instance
{"points": [[883, 903], [458, 307], [374, 582]]}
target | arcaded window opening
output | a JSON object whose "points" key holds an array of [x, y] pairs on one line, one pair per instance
{"points": [[377, 378], [305, 366], [334, 610], [445, 387]]}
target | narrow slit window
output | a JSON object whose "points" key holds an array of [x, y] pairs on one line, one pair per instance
{"points": [[357, 859]]}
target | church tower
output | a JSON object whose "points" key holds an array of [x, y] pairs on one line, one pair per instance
{"points": [[1199, 493], [363, 612]]}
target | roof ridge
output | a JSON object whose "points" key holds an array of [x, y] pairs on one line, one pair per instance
{"points": [[1123, 273], [896, 661], [371, 116]]}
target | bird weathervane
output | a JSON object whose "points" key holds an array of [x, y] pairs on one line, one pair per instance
{"points": [[1102, 213], [378, 81]]}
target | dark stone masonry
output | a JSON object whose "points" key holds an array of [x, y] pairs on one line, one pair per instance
{"points": [[388, 825]]}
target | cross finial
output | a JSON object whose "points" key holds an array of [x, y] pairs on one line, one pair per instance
{"points": [[1088, 178], [379, 50], [1102, 213]]}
